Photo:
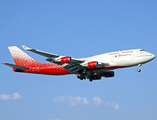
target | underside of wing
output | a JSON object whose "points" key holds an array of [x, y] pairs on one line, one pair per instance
{"points": [[73, 68]]}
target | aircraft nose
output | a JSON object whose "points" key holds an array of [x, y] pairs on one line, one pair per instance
{"points": [[149, 56], [153, 56]]}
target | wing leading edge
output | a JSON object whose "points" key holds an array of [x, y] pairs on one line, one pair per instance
{"points": [[46, 54]]}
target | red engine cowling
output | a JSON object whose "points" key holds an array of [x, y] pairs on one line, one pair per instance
{"points": [[93, 64], [109, 74], [65, 60]]}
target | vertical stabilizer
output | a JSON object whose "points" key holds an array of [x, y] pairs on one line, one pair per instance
{"points": [[21, 58]]}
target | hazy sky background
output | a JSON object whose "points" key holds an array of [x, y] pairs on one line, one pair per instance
{"points": [[78, 29]]}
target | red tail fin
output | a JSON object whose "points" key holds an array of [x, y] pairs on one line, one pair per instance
{"points": [[21, 58]]}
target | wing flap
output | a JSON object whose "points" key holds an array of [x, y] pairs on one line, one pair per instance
{"points": [[73, 67], [16, 66]]}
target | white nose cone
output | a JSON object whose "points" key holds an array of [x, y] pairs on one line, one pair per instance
{"points": [[148, 57], [153, 56]]}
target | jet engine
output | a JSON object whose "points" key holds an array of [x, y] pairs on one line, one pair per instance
{"points": [[63, 60], [109, 74], [96, 77], [93, 64]]}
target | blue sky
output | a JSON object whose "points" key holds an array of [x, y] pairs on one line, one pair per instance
{"points": [[78, 29]]}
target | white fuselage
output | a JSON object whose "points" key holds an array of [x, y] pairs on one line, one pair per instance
{"points": [[123, 58]]}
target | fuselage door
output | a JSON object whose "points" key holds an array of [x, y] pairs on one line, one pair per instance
{"points": [[112, 59]]}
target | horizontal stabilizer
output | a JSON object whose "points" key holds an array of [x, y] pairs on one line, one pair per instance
{"points": [[16, 66]]}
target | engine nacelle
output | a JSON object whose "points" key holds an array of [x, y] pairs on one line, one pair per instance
{"points": [[109, 74], [63, 60], [93, 64], [96, 77]]}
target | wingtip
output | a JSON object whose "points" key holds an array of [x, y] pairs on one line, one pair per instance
{"points": [[26, 48], [4, 63]]}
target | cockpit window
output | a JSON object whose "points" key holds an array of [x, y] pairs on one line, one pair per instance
{"points": [[142, 50]]}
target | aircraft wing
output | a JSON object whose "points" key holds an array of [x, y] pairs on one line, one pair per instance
{"points": [[16, 66], [51, 57], [46, 54], [73, 65]]}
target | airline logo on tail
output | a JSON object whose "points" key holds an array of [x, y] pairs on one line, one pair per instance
{"points": [[20, 57]]}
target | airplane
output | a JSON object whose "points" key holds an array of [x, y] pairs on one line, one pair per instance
{"points": [[92, 68]]}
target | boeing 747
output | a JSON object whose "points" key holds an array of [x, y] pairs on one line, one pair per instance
{"points": [[92, 68]]}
